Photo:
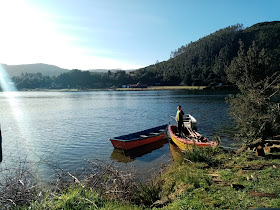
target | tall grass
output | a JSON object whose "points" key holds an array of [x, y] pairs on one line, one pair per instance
{"points": [[202, 154], [18, 186]]}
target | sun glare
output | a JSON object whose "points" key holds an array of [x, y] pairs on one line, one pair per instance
{"points": [[27, 36], [10, 94], [17, 112], [31, 34], [5, 81]]}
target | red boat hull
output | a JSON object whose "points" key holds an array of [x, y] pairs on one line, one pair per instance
{"points": [[125, 145]]}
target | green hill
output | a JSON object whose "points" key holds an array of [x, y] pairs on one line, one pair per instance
{"points": [[204, 61], [44, 69]]}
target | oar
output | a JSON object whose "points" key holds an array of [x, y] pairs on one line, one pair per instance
{"points": [[174, 118]]}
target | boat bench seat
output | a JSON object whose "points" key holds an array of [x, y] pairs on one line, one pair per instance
{"points": [[153, 133], [144, 136]]}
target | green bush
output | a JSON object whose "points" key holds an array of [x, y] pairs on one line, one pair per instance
{"points": [[202, 154]]}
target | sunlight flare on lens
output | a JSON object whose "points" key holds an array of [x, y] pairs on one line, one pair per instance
{"points": [[9, 92], [17, 110], [5, 81]]}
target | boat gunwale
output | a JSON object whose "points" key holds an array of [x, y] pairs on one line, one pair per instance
{"points": [[165, 127]]}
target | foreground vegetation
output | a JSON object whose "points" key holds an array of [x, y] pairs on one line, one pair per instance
{"points": [[203, 179]]}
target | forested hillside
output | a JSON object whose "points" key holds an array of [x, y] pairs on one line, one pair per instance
{"points": [[205, 61]]}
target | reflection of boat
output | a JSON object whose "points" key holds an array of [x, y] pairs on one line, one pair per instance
{"points": [[129, 155], [189, 138], [140, 138], [175, 152]]}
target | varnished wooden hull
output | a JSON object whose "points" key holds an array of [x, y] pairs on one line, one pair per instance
{"points": [[187, 143]]}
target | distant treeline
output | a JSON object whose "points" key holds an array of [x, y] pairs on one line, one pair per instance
{"points": [[73, 79], [203, 62]]}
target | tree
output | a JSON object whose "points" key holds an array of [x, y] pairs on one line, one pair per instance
{"points": [[256, 108]]}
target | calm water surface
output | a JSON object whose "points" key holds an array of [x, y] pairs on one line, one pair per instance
{"points": [[64, 129]]}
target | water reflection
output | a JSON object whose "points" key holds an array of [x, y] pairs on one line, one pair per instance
{"points": [[127, 156], [175, 152]]}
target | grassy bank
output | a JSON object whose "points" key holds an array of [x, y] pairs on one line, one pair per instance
{"points": [[165, 88], [204, 179], [225, 182], [123, 89]]}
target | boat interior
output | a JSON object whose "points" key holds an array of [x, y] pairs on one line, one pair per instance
{"points": [[143, 134], [191, 134]]}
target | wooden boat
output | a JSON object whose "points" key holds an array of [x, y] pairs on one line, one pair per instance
{"points": [[140, 138], [189, 138]]}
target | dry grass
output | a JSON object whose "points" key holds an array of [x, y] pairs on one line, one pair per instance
{"points": [[125, 89], [111, 181], [164, 88], [17, 187], [20, 188]]}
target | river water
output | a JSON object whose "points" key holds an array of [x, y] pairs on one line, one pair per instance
{"points": [[61, 130]]}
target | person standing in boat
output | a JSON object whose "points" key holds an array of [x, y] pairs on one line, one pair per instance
{"points": [[179, 119]]}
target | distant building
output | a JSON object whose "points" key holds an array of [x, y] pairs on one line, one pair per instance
{"points": [[132, 86], [138, 85]]}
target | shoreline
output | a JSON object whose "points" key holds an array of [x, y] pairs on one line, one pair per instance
{"points": [[152, 88]]}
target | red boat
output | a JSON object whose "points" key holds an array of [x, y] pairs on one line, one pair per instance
{"points": [[140, 138]]}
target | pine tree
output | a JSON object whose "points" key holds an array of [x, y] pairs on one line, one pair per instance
{"points": [[256, 108]]}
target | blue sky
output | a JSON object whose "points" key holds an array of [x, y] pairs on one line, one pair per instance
{"points": [[110, 34]]}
